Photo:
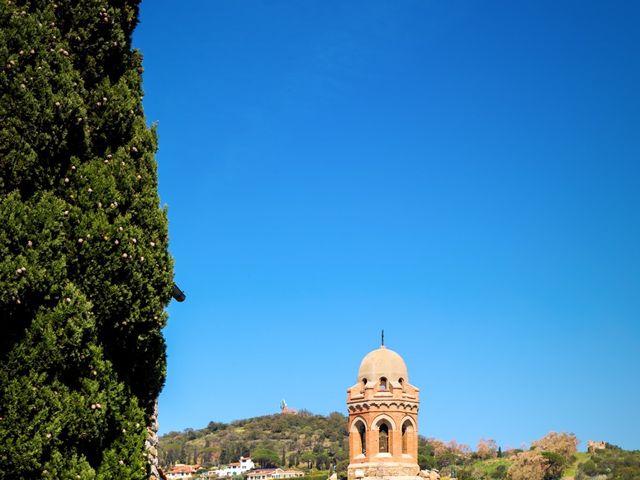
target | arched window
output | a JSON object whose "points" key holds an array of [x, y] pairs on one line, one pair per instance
{"points": [[404, 438], [383, 383], [407, 427], [362, 432], [359, 435], [383, 438], [363, 385]]}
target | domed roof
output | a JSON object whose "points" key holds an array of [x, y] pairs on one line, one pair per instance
{"points": [[383, 363]]}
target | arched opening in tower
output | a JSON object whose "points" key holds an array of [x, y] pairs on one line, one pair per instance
{"points": [[383, 384], [383, 438], [407, 428], [362, 433]]}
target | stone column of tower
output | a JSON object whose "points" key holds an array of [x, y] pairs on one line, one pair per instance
{"points": [[383, 419]]}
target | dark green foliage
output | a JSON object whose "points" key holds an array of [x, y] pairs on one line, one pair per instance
{"points": [[308, 457], [84, 269], [500, 472], [556, 464], [215, 426], [611, 463], [491, 469], [587, 469], [426, 456], [266, 457]]}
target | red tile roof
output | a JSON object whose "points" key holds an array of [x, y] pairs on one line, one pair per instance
{"points": [[179, 468]]}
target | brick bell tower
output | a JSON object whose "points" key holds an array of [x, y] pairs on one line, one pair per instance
{"points": [[383, 419]]}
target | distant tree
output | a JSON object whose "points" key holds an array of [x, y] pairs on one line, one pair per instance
{"points": [[458, 449], [434, 453], [564, 444], [486, 448], [499, 455], [170, 457], [265, 457], [340, 455], [226, 456], [530, 465], [308, 457], [446, 459], [426, 458], [323, 461], [216, 426], [556, 464]]}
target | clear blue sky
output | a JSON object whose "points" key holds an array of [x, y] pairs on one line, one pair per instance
{"points": [[463, 174]]}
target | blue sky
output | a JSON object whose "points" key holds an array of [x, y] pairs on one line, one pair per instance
{"points": [[463, 174]]}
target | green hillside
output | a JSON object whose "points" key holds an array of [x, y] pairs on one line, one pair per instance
{"points": [[283, 440], [613, 463], [580, 458], [321, 442]]}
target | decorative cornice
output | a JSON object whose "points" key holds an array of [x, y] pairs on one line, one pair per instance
{"points": [[384, 404]]}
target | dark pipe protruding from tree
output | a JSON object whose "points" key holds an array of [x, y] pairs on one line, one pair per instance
{"points": [[178, 294]]}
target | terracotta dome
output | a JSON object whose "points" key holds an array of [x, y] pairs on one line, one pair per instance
{"points": [[383, 363]]}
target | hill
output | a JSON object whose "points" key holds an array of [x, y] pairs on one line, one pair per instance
{"points": [[611, 463], [312, 441], [283, 440]]}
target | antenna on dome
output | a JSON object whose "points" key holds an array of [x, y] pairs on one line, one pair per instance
{"points": [[382, 337]]}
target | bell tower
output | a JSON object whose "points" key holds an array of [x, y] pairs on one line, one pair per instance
{"points": [[383, 419]]}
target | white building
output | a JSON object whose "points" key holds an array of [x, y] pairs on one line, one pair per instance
{"points": [[237, 468], [274, 473]]}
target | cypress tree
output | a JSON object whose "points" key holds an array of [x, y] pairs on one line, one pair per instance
{"points": [[85, 272]]}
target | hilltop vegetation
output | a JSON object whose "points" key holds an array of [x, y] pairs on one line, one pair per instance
{"points": [[317, 442], [612, 463], [282, 440]]}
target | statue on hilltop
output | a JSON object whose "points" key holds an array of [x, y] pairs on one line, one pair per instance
{"points": [[285, 410]]}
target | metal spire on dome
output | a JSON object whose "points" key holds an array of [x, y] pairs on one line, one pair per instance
{"points": [[382, 338]]}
